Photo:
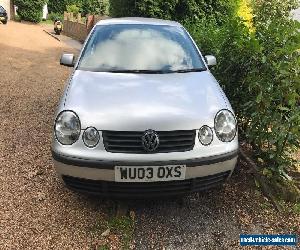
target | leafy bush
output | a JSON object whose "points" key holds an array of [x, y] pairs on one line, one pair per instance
{"points": [[259, 71], [17, 18], [95, 7], [55, 16], [59, 6], [56, 6], [29, 10], [271, 120], [85, 6], [72, 9], [122, 8], [180, 10], [245, 12]]}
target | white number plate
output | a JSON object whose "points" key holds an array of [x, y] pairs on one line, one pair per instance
{"points": [[149, 173]]}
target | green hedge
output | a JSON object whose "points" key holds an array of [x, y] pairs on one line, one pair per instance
{"points": [[59, 6], [29, 10], [56, 6], [260, 73], [85, 6], [55, 16], [181, 10], [95, 7]]}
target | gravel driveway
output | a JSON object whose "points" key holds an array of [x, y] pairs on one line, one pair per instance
{"points": [[212, 219], [37, 212]]}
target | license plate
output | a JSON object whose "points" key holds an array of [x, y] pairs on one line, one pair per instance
{"points": [[2, 18], [58, 26], [149, 173]]}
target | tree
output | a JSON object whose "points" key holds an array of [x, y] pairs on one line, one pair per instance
{"points": [[73, 8], [29, 10], [56, 6], [95, 7], [180, 10], [59, 6], [259, 68], [85, 6], [121, 8]]}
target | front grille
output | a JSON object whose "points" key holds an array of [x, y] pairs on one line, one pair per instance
{"points": [[131, 142], [140, 190]]}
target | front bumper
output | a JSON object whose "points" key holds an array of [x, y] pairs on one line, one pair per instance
{"points": [[3, 19], [98, 177]]}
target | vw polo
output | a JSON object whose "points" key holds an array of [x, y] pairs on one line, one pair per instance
{"points": [[3, 15], [142, 115]]}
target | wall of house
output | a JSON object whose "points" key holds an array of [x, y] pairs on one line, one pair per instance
{"points": [[7, 6]]}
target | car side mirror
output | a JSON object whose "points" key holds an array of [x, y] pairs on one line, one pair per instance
{"points": [[210, 61], [67, 60]]}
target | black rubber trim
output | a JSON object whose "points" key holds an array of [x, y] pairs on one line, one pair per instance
{"points": [[111, 164], [144, 190]]}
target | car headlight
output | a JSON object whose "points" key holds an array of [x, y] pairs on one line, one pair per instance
{"points": [[225, 125], [91, 137], [205, 135], [67, 127]]}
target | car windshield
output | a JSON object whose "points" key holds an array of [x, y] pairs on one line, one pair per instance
{"points": [[2, 9], [140, 48]]}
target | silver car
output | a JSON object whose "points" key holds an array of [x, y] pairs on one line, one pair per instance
{"points": [[142, 115]]}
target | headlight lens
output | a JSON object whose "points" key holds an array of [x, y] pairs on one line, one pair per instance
{"points": [[225, 125], [205, 135], [67, 127], [91, 137]]}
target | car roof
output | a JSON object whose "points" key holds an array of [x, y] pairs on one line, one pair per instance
{"points": [[138, 20]]}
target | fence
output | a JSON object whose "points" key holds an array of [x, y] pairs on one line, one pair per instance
{"points": [[78, 27]]}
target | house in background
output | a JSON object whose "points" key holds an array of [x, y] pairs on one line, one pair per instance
{"points": [[45, 11], [8, 5]]}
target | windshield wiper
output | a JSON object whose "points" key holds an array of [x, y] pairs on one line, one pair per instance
{"points": [[147, 71], [138, 71], [189, 70]]}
